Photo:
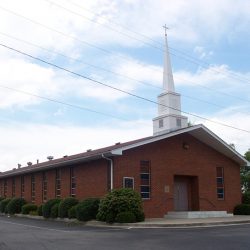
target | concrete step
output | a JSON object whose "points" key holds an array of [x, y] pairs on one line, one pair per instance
{"points": [[197, 214]]}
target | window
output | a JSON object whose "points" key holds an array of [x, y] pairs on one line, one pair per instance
{"points": [[58, 183], [13, 187], [22, 186], [161, 123], [145, 179], [128, 182], [72, 182], [44, 187], [5, 188], [33, 188], [220, 183], [178, 122]]}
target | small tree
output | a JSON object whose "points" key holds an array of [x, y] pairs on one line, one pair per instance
{"points": [[245, 174]]}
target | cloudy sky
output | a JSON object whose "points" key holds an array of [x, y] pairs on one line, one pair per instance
{"points": [[45, 110]]}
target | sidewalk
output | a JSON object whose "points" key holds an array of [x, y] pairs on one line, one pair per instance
{"points": [[162, 222]]}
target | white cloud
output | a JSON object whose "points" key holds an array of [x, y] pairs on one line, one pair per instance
{"points": [[27, 143], [202, 53], [234, 118], [24, 76]]}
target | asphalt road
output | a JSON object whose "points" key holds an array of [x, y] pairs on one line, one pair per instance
{"points": [[28, 234]]}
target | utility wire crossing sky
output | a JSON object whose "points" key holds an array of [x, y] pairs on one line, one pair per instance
{"points": [[47, 111]]}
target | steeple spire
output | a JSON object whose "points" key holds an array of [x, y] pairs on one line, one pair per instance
{"points": [[169, 109], [168, 80]]}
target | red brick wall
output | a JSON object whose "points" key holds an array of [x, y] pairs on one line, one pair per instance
{"points": [[168, 158], [91, 179]]}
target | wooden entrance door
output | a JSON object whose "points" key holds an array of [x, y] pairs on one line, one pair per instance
{"points": [[180, 194]]}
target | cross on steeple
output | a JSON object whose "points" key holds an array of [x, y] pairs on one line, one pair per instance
{"points": [[166, 28]]}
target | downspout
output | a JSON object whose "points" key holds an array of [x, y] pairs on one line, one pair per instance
{"points": [[111, 171]]}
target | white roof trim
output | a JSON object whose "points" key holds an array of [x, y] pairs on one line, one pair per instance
{"points": [[201, 133]]}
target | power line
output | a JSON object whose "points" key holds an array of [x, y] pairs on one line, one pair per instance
{"points": [[87, 43], [130, 78], [80, 61], [185, 57], [61, 102], [117, 89]]}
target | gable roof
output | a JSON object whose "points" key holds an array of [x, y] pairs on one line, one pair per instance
{"points": [[200, 132]]}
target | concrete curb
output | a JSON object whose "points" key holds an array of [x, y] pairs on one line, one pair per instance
{"points": [[146, 224]]}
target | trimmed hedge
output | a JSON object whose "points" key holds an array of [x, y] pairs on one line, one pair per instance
{"points": [[242, 209], [27, 208], [72, 212], [47, 207], [40, 210], [118, 201], [65, 205], [87, 209], [15, 205], [3, 205], [126, 217], [54, 211], [33, 213], [246, 197]]}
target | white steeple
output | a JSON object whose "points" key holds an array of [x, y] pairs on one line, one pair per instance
{"points": [[168, 80], [169, 108]]}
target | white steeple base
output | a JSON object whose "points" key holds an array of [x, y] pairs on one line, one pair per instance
{"points": [[166, 123]]}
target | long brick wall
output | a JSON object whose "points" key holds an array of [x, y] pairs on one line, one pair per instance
{"points": [[168, 160]]}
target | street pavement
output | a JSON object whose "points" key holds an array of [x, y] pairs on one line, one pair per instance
{"points": [[26, 234]]}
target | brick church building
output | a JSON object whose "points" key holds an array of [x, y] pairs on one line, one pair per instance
{"points": [[179, 168]]}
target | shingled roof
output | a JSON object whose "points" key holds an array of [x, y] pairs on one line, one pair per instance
{"points": [[200, 132]]}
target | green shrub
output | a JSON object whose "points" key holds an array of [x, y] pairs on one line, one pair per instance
{"points": [[47, 207], [1, 198], [40, 210], [140, 216], [87, 209], [15, 205], [54, 211], [3, 205], [246, 197], [125, 217], [65, 205], [72, 212], [33, 213], [27, 208], [242, 209], [118, 201]]}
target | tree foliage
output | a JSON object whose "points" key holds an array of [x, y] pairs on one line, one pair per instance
{"points": [[245, 174]]}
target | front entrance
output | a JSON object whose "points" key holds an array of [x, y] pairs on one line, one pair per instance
{"points": [[186, 193]]}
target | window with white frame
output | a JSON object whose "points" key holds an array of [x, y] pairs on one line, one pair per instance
{"points": [[22, 186], [58, 183], [44, 187], [220, 183], [33, 188], [145, 179], [13, 187], [72, 182], [128, 182]]}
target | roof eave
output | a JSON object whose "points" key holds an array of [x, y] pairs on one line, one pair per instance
{"points": [[57, 164]]}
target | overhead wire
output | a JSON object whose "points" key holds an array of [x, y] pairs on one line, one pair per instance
{"points": [[185, 57], [121, 75], [80, 40], [116, 88]]}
